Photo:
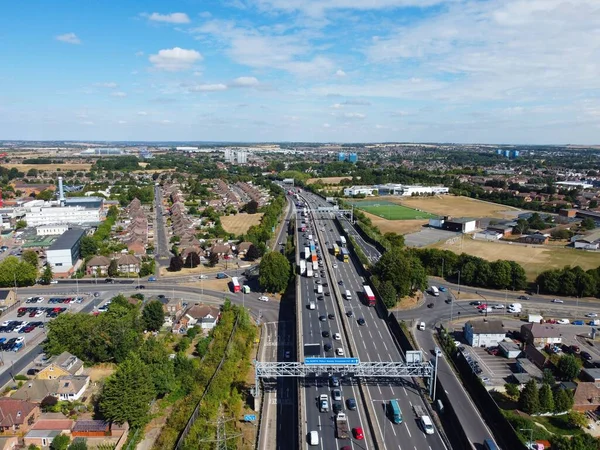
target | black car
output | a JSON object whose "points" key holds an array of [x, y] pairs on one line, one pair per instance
{"points": [[349, 313], [33, 372], [341, 282], [430, 305], [331, 316], [361, 321], [322, 318], [327, 347], [320, 297], [325, 285], [337, 407], [327, 294], [109, 280], [351, 404], [325, 334], [448, 300], [141, 286], [475, 303], [523, 297], [586, 356]]}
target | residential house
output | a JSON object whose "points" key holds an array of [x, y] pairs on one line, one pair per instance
{"points": [[505, 230], [590, 375], [541, 334], [203, 316], [98, 265], [128, 264], [221, 250], [17, 415], [588, 242], [36, 390], [9, 442], [535, 356], [62, 365], [71, 388], [41, 438], [587, 396], [484, 334], [91, 428], [137, 247], [171, 306], [535, 239], [242, 248]]}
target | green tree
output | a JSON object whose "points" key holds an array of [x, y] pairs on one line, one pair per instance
{"points": [[13, 270], [252, 254], [202, 346], [575, 419], [213, 260], [501, 277], [394, 239], [529, 401], [33, 447], [548, 377], [583, 442], [192, 260], [569, 367], [176, 264], [153, 315], [251, 207], [183, 344], [47, 275], [274, 272], [512, 389], [113, 268], [162, 369], [30, 257], [546, 398], [20, 224], [127, 394], [48, 403], [388, 294], [563, 400], [45, 195], [60, 442], [89, 246], [78, 444], [588, 223]]}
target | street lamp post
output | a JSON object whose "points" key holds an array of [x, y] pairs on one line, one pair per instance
{"points": [[452, 303], [437, 352]]}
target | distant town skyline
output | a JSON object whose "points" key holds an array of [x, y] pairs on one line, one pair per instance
{"points": [[461, 71]]}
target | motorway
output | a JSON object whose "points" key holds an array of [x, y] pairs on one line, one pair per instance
{"points": [[312, 332], [373, 342]]}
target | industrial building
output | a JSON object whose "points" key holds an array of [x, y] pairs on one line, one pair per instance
{"points": [[408, 190], [460, 225], [64, 252], [360, 190], [51, 230], [484, 334], [76, 215]]}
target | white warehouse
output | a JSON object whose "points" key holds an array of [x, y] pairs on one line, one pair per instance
{"points": [[47, 215], [407, 190], [360, 190], [64, 252], [51, 230]]}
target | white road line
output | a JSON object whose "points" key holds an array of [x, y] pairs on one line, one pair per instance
{"points": [[408, 431]]}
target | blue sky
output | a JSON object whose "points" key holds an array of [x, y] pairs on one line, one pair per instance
{"points": [[489, 71]]}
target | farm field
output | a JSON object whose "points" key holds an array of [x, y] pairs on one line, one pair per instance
{"points": [[533, 259], [396, 226], [49, 167], [239, 223], [328, 180], [391, 211], [450, 205]]}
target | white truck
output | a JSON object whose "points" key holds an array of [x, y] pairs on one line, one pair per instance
{"points": [[341, 426], [434, 291], [535, 318], [302, 267], [309, 271], [323, 403], [315, 265]]}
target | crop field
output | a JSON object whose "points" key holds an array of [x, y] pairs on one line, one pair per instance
{"points": [[239, 223], [534, 259], [328, 180], [391, 211]]}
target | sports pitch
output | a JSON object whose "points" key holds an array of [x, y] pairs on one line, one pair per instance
{"points": [[391, 211]]}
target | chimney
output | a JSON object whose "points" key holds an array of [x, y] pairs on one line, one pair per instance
{"points": [[61, 192]]}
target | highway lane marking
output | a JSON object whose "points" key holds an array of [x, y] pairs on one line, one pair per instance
{"points": [[408, 431]]}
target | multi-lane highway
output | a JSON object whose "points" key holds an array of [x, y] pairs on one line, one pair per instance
{"points": [[373, 342], [322, 327]]}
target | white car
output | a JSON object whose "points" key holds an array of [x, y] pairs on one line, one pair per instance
{"points": [[498, 306], [335, 265], [339, 351], [557, 300], [54, 282], [6, 323], [591, 315], [337, 336], [563, 321], [204, 277], [263, 298], [19, 340]]}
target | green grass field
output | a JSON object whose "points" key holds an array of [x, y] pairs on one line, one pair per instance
{"points": [[391, 211]]}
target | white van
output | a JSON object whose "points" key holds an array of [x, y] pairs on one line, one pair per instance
{"points": [[348, 295], [427, 424], [421, 326], [312, 305], [515, 306], [313, 438], [319, 289]]}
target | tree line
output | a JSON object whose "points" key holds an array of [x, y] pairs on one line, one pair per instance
{"points": [[570, 281]]}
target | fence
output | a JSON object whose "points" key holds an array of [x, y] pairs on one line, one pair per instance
{"points": [[194, 415]]}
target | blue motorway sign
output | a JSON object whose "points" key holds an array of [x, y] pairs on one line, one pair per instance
{"points": [[330, 361], [250, 417]]}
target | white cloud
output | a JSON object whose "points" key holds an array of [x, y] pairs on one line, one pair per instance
{"points": [[118, 94], [264, 49], [340, 73], [168, 18], [122, 122], [337, 106], [175, 59], [208, 87], [69, 38], [317, 8], [142, 113], [165, 121], [354, 115], [326, 125], [87, 122], [245, 82], [108, 85]]}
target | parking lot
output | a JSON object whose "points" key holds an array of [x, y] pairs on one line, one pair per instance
{"points": [[25, 325], [496, 368], [428, 236]]}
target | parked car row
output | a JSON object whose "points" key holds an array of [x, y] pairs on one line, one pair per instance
{"points": [[40, 311], [11, 345], [66, 300], [19, 326], [472, 362]]}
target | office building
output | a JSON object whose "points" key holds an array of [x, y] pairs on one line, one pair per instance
{"points": [[48, 215], [64, 252]]}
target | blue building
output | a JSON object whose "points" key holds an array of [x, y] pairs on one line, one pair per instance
{"points": [[341, 156], [507, 153], [498, 151], [515, 153], [352, 157]]}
